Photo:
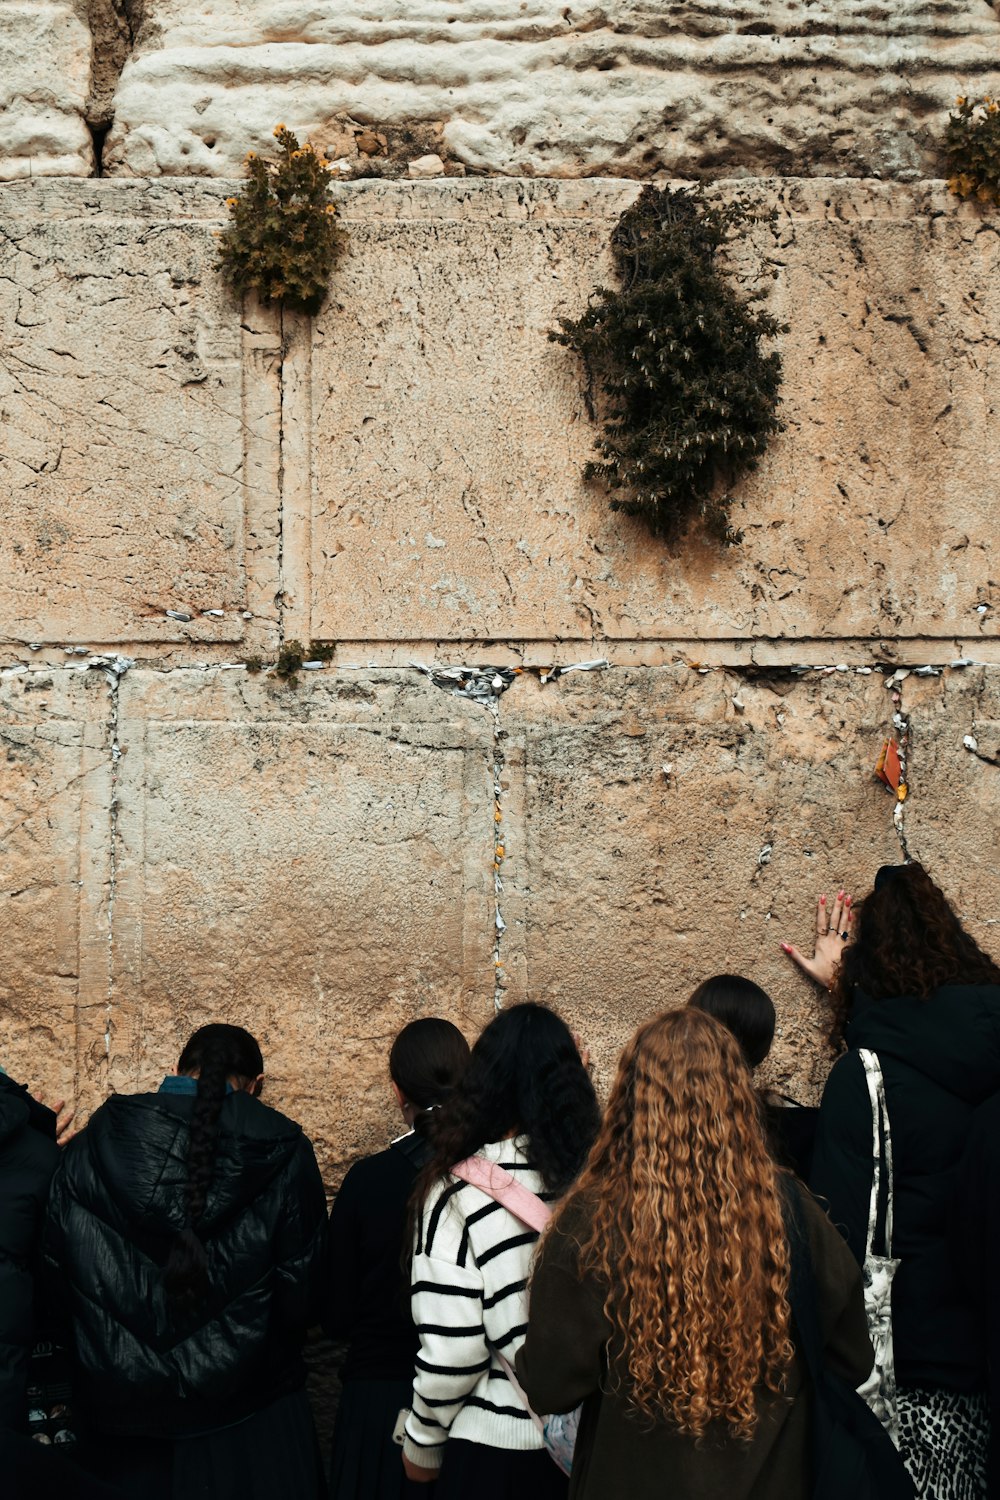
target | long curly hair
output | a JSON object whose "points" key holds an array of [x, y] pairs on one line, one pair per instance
{"points": [[685, 1231], [524, 1076], [908, 940]]}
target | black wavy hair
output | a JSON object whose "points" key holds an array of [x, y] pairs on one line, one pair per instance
{"points": [[908, 940], [524, 1076], [426, 1063], [216, 1053], [743, 1008]]}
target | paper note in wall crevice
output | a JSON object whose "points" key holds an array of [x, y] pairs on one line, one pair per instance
{"points": [[888, 768]]}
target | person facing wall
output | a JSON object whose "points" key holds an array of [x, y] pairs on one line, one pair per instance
{"points": [[28, 1158], [526, 1103], [748, 1012], [186, 1231], [908, 983], [660, 1298], [367, 1291], [30, 1135]]}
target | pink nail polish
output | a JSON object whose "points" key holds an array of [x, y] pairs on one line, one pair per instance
{"points": [[786, 948], [822, 900]]}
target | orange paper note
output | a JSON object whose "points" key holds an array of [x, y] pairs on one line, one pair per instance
{"points": [[887, 767]]}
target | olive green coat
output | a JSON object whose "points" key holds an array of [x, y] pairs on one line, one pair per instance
{"points": [[620, 1457]]}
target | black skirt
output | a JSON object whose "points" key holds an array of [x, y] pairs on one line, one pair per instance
{"points": [[367, 1464], [472, 1471], [273, 1453]]}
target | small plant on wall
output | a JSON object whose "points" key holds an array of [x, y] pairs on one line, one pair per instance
{"points": [[688, 399], [972, 148], [282, 239]]}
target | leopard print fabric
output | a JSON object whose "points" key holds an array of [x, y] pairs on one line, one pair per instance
{"points": [[943, 1439]]}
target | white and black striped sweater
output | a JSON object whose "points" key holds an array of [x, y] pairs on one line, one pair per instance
{"points": [[469, 1297]]}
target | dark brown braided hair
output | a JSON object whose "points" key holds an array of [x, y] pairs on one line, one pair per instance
{"points": [[908, 940], [216, 1052]]}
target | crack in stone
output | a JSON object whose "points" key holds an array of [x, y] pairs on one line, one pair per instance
{"points": [[279, 598], [499, 855], [114, 679]]}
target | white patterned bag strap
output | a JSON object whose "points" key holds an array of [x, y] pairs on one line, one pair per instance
{"points": [[880, 1135]]}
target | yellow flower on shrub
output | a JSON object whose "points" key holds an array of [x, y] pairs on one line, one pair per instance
{"points": [[282, 241], [972, 148]]}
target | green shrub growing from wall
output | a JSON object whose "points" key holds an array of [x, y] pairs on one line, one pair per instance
{"points": [[688, 400], [972, 147], [282, 239]]}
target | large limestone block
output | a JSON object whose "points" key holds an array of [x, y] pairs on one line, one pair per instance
{"points": [[138, 423], [663, 825], [56, 878], [314, 863], [449, 434], [45, 55], [540, 88]]}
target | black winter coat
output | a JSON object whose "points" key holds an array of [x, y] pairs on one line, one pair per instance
{"points": [[940, 1059], [118, 1200], [977, 1244], [28, 1157], [368, 1294]]}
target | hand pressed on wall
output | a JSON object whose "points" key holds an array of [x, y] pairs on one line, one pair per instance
{"points": [[833, 933]]}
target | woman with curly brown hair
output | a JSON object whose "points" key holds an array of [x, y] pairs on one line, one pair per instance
{"points": [[910, 985], [660, 1299]]}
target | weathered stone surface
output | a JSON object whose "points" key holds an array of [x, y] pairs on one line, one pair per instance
{"points": [[536, 89], [138, 423], [45, 54], [663, 825], [315, 863], [55, 878], [952, 821], [450, 434], [408, 468]]}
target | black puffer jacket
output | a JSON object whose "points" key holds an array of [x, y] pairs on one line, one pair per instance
{"points": [[117, 1202], [940, 1059], [28, 1157]]}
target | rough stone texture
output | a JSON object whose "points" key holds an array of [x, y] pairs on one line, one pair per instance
{"points": [[408, 468], [451, 434], [663, 825], [539, 88], [114, 25], [137, 423], [313, 862], [45, 60], [55, 859], [317, 862], [952, 821]]}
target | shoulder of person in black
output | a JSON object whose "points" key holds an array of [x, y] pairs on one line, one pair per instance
{"points": [[367, 1303], [28, 1158], [940, 1059]]}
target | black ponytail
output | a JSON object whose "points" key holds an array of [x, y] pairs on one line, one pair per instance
{"points": [[216, 1053], [426, 1064]]}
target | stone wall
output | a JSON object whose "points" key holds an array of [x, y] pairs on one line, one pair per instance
{"points": [[186, 483], [520, 87]]}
